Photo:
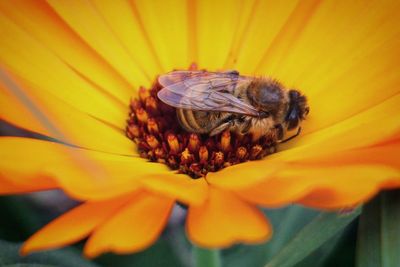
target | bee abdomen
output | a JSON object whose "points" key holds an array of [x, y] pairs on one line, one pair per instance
{"points": [[188, 121], [194, 121]]}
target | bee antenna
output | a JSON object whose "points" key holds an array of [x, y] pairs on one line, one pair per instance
{"points": [[290, 138]]}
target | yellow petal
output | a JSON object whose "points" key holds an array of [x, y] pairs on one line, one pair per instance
{"points": [[65, 230], [243, 175], [215, 26], [286, 30], [224, 219], [84, 174], [387, 153], [88, 174], [382, 160], [336, 187], [43, 113], [43, 71], [15, 112], [88, 21], [58, 37], [134, 227], [179, 186], [164, 25]]}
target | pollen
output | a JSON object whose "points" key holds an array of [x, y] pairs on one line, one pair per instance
{"points": [[154, 127]]}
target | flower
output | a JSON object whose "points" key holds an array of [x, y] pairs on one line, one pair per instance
{"points": [[76, 65]]}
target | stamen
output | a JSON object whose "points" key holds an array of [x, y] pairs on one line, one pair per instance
{"points": [[219, 158], [186, 157], [173, 143], [143, 94], [151, 105], [142, 116], [135, 104], [194, 143], [152, 126], [255, 152], [226, 141], [152, 141], [203, 154], [133, 131], [160, 154], [241, 153]]}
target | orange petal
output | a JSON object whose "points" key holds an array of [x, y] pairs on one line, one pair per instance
{"points": [[135, 227], [313, 172], [243, 175], [84, 174], [350, 196], [65, 230], [342, 186], [11, 184], [386, 154], [224, 219], [179, 186]]}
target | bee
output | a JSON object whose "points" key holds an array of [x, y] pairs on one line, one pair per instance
{"points": [[212, 102]]}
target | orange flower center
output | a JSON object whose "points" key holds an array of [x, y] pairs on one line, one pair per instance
{"points": [[154, 127]]}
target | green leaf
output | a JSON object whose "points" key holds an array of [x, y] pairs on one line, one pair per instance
{"points": [[18, 219], [295, 218], [379, 232], [159, 254], [337, 251], [206, 257], [28, 265], [391, 228], [9, 255], [286, 223], [311, 237], [369, 240]]}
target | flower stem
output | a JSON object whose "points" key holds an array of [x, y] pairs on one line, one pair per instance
{"points": [[206, 257]]}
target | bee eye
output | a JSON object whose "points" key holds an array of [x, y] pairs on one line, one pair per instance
{"points": [[264, 114]]}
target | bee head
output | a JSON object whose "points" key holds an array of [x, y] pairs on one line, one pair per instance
{"points": [[298, 109]]}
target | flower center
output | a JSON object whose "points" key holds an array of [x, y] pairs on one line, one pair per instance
{"points": [[154, 127]]}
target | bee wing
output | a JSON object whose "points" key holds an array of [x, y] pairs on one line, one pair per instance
{"points": [[205, 91]]}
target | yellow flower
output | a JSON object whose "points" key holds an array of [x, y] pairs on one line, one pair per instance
{"points": [[78, 63]]}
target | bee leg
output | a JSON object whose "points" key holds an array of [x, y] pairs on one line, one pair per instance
{"points": [[221, 128], [242, 126], [279, 131]]}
